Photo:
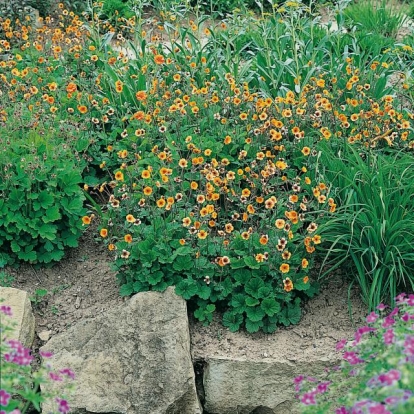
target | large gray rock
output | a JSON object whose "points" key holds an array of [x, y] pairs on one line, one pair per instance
{"points": [[134, 359], [235, 386], [22, 314]]}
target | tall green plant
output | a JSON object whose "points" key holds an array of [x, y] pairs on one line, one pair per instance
{"points": [[374, 230]]}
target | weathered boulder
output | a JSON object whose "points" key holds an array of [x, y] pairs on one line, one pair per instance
{"points": [[22, 314], [133, 359], [235, 386]]}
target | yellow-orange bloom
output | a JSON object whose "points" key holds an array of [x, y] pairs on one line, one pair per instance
{"points": [[128, 238], [284, 268], [104, 232]]}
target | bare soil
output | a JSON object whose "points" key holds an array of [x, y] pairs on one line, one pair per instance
{"points": [[82, 285]]}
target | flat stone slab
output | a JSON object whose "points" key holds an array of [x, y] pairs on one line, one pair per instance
{"points": [[22, 314], [235, 386], [133, 359]]}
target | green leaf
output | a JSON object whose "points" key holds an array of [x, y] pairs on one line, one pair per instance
{"points": [[237, 263], [155, 277], [204, 291], [28, 256], [127, 289], [242, 276], [186, 288], [264, 291], [46, 231], [139, 286], [251, 262], [253, 286], [269, 326], [45, 200], [52, 214], [270, 306], [232, 321], [252, 301], [252, 326], [301, 285], [238, 302], [255, 314], [183, 263]]}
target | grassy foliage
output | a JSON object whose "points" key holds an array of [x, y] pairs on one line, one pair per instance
{"points": [[374, 228]]}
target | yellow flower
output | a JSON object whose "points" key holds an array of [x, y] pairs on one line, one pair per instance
{"points": [[284, 268]]}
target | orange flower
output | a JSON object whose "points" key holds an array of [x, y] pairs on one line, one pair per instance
{"points": [[111, 247], [306, 279], [82, 109], [159, 59], [161, 203], [130, 218], [128, 238], [145, 174], [86, 220], [147, 191], [264, 239], [186, 221], [71, 87], [202, 234], [284, 268], [287, 285], [305, 263], [119, 176], [104, 232], [141, 95]]}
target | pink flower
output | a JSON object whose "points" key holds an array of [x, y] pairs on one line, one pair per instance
{"points": [[6, 310], [378, 409], [400, 298], [19, 354], [372, 317], [46, 354], [322, 387], [352, 358], [361, 331], [390, 377], [388, 337], [63, 406], [68, 372], [341, 344], [308, 398], [341, 410], [55, 377], [388, 321], [410, 300], [4, 398], [381, 307]]}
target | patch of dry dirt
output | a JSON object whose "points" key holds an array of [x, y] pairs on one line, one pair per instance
{"points": [[82, 286]]}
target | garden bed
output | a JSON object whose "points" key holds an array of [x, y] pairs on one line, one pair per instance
{"points": [[82, 286]]}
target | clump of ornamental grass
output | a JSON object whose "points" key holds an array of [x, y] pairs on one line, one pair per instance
{"points": [[376, 374], [20, 388]]}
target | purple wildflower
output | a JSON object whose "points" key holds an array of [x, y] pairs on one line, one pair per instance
{"points": [[388, 321], [68, 372], [410, 300], [372, 317], [308, 398], [341, 410], [388, 337], [390, 377], [400, 298], [322, 387], [19, 354], [352, 358], [409, 345], [341, 344], [55, 377], [361, 331], [381, 307], [4, 398], [6, 310], [378, 409], [63, 406], [394, 312], [46, 354]]}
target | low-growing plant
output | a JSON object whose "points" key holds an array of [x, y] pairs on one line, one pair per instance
{"points": [[20, 388], [374, 230], [376, 374], [41, 200], [6, 280]]}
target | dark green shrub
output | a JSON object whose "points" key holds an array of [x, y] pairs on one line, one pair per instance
{"points": [[41, 202]]}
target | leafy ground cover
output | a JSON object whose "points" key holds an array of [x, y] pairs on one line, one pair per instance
{"points": [[210, 154]]}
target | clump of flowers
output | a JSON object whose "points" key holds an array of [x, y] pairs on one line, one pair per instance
{"points": [[376, 374], [20, 388]]}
